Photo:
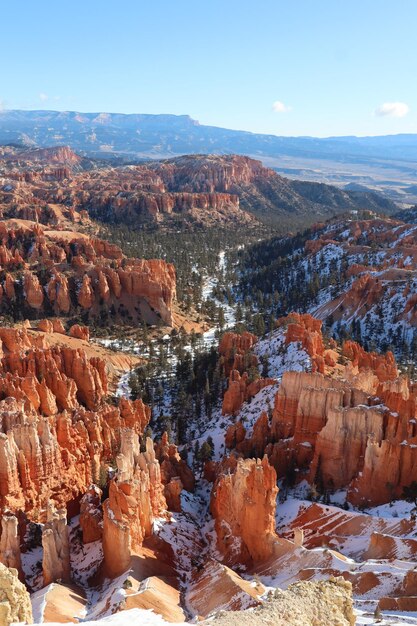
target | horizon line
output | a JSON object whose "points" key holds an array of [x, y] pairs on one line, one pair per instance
{"points": [[198, 123]]}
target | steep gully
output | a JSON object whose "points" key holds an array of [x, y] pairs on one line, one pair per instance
{"points": [[187, 533], [134, 510]]}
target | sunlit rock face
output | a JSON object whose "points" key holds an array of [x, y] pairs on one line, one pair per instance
{"points": [[15, 606], [243, 505], [80, 272], [347, 423], [136, 498], [56, 427]]}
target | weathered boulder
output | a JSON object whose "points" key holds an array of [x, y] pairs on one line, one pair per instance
{"points": [[15, 603]]}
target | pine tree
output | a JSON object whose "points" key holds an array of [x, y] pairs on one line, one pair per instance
{"points": [[265, 365], [220, 317]]}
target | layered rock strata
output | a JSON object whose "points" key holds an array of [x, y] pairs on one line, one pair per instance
{"points": [[349, 423], [56, 427]]}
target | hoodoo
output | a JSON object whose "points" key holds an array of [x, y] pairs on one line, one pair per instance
{"points": [[243, 505]]}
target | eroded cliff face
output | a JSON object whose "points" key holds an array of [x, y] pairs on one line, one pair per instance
{"points": [[306, 330], [57, 429], [91, 515], [56, 551], [348, 423], [347, 433], [59, 435], [65, 272], [238, 360], [194, 190]]}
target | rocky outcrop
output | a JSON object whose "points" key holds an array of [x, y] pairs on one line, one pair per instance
{"points": [[136, 497], [175, 473], [80, 332], [33, 291], [86, 293], [235, 350], [383, 366], [62, 155], [243, 505], [239, 360], [15, 603], [306, 330], [91, 515], [159, 192], [56, 429], [58, 292], [10, 543], [78, 271], [55, 544], [351, 427], [305, 603], [334, 435], [342, 442], [240, 389]]}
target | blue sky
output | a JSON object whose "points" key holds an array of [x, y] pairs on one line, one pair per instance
{"points": [[333, 67]]}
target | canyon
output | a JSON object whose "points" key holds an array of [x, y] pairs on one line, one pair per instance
{"points": [[331, 418], [159, 469]]}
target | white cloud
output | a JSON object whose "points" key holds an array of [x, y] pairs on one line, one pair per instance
{"points": [[43, 97], [392, 109], [280, 107]]}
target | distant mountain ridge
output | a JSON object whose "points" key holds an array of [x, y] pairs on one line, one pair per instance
{"points": [[139, 135]]}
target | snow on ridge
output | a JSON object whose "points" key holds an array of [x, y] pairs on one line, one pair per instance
{"points": [[282, 357], [135, 617]]}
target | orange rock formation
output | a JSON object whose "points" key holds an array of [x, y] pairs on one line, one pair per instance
{"points": [[175, 473], [353, 427], [91, 515], [136, 498], [56, 427], [78, 271], [243, 504]]}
